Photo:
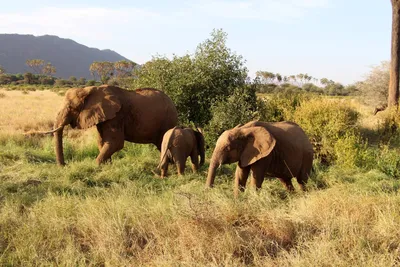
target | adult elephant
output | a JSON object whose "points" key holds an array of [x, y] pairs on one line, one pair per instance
{"points": [[140, 116], [280, 149]]}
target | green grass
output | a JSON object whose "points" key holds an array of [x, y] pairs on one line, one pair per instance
{"points": [[120, 214]]}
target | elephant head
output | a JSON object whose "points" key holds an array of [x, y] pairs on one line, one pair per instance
{"points": [[84, 108], [243, 145], [200, 145]]}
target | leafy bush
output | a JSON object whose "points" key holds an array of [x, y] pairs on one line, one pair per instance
{"points": [[195, 82], [62, 83], [91, 83], [389, 127], [281, 106], [239, 108], [46, 80], [326, 121]]}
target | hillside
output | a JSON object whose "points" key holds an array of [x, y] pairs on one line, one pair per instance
{"points": [[69, 57]]}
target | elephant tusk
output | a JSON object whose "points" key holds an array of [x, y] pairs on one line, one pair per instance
{"points": [[41, 132]]}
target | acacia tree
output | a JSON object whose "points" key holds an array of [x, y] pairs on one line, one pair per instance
{"points": [[49, 69], [103, 69], [393, 92], [36, 65], [123, 68]]}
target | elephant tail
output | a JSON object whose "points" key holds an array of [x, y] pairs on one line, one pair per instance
{"points": [[164, 152]]}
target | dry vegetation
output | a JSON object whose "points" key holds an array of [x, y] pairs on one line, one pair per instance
{"points": [[120, 215]]}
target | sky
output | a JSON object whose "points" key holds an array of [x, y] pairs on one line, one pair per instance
{"points": [[336, 39]]}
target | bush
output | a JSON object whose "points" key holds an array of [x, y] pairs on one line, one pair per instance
{"points": [[195, 82], [239, 108], [46, 80], [62, 83], [281, 106], [91, 83], [325, 121]]}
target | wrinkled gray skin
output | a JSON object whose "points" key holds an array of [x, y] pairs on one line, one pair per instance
{"points": [[139, 116], [178, 144], [280, 149]]}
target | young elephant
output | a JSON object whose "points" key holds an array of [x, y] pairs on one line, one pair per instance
{"points": [[178, 144], [280, 149]]}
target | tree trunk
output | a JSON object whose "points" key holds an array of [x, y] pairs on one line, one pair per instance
{"points": [[59, 147], [393, 93]]}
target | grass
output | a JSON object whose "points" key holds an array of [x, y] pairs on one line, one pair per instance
{"points": [[120, 214]]}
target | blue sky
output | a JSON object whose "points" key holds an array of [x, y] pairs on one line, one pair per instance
{"points": [[337, 39]]}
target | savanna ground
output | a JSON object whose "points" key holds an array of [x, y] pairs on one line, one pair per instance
{"points": [[119, 214]]}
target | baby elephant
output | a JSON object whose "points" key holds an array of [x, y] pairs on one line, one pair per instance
{"points": [[178, 144]]}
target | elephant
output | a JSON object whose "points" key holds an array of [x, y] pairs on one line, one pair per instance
{"points": [[380, 108], [139, 116], [178, 144], [280, 149]]}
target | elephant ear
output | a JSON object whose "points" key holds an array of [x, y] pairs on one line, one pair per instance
{"points": [[100, 104], [258, 143]]}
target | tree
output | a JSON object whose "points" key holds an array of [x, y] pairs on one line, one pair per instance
{"points": [[393, 92], [36, 65], [123, 68], [195, 82], [2, 70], [49, 69], [374, 89], [103, 69], [28, 78]]}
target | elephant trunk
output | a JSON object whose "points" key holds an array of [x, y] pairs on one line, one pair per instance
{"points": [[61, 121], [211, 172], [59, 147]]}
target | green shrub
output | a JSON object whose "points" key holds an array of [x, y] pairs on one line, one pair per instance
{"points": [[326, 121], [91, 83], [389, 127], [196, 82], [281, 106], [387, 161], [351, 152], [239, 108]]}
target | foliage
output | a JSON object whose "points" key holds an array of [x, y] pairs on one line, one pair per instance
{"points": [[239, 108], [195, 82], [282, 105], [123, 68], [326, 121], [374, 88], [2, 70], [35, 64], [49, 69], [102, 69]]}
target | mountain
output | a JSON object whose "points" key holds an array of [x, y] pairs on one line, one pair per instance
{"points": [[69, 57]]}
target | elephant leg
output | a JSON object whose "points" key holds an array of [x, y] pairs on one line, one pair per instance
{"points": [[100, 142], [287, 183], [180, 160], [305, 171], [113, 141], [164, 168], [194, 157], [302, 179], [241, 175], [180, 166], [258, 172]]}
